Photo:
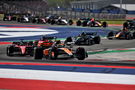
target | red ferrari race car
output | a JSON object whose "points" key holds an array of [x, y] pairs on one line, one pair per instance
{"points": [[59, 51], [20, 48]]}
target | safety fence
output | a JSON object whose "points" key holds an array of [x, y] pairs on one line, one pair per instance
{"points": [[75, 15]]}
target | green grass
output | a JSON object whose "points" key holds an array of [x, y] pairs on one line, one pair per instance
{"points": [[114, 21]]}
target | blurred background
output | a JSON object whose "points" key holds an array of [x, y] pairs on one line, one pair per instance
{"points": [[99, 9]]}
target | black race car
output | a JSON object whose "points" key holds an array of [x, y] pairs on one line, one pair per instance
{"points": [[130, 24], [20, 48], [89, 22], [88, 38]]}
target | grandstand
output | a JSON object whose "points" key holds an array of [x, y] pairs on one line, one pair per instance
{"points": [[34, 7], [67, 8], [96, 6]]}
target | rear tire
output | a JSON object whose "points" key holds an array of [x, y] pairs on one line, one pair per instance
{"points": [[52, 57], [53, 54], [133, 35], [128, 37], [97, 40], [80, 53], [90, 42], [10, 51], [32, 52], [38, 53]]}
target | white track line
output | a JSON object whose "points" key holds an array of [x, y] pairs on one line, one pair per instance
{"points": [[68, 76], [22, 32]]}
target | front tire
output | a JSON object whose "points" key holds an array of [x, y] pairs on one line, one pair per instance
{"points": [[110, 35]]}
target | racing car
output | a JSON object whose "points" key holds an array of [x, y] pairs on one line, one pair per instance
{"points": [[59, 21], [122, 34], [24, 19], [20, 48], [59, 51], [94, 23], [44, 42], [131, 24], [89, 22], [87, 38], [39, 20], [56, 20]]}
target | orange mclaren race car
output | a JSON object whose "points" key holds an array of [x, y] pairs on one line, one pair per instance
{"points": [[59, 51]]}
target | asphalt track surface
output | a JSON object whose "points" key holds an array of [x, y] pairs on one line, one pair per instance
{"points": [[105, 44]]}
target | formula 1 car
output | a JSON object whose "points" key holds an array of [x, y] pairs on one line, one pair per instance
{"points": [[59, 21], [42, 20], [23, 19], [89, 22], [131, 24], [87, 38], [54, 19], [20, 48], [122, 34], [60, 52], [44, 42], [39, 20], [94, 23]]}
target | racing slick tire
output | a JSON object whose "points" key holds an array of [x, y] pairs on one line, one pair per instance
{"points": [[68, 41], [78, 23], [80, 53], [53, 53], [128, 37], [133, 35], [104, 24], [97, 40], [110, 35], [90, 42], [32, 52], [38, 53], [70, 22], [10, 51]]}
